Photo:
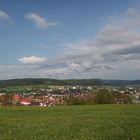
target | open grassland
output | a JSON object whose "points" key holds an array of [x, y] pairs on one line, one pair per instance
{"points": [[54, 87], [95, 122]]}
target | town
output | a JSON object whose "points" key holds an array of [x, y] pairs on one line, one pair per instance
{"points": [[63, 95]]}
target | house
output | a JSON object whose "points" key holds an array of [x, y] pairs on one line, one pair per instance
{"points": [[25, 102], [1, 94], [17, 97]]}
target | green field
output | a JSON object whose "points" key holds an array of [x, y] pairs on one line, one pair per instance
{"points": [[25, 88], [95, 122], [21, 88], [54, 87]]}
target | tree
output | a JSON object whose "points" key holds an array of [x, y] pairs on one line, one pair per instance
{"points": [[103, 96], [6, 99]]}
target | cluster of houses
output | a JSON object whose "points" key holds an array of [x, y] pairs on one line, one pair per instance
{"points": [[40, 96], [28, 100], [134, 93], [51, 97], [42, 100]]}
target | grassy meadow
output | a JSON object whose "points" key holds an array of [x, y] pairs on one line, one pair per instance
{"points": [[89, 122]]}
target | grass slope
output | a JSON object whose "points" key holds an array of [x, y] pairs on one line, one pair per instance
{"points": [[97, 122]]}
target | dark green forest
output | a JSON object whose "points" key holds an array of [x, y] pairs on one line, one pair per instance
{"points": [[73, 82]]}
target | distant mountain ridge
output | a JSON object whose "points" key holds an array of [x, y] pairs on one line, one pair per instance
{"points": [[74, 82]]}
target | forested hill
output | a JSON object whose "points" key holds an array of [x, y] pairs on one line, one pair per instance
{"points": [[74, 82]]}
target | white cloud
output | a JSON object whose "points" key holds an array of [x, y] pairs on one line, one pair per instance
{"points": [[32, 60], [39, 21], [4, 15]]}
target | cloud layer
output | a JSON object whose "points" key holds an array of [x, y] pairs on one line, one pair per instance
{"points": [[116, 48], [114, 53]]}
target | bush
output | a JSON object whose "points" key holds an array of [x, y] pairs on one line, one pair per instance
{"points": [[103, 96], [82, 99]]}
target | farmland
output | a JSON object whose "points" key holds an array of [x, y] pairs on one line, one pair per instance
{"points": [[89, 122]]}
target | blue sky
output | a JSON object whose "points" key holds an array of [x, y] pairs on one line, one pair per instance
{"points": [[69, 39]]}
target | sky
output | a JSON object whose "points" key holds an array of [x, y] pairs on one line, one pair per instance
{"points": [[70, 39]]}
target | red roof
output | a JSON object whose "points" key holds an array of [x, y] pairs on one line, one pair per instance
{"points": [[23, 100]]}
